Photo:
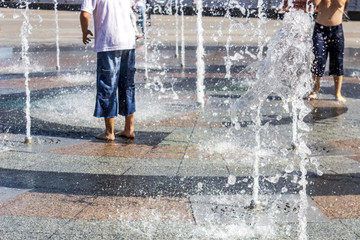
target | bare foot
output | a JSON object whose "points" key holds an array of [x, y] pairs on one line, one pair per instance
{"points": [[312, 96], [105, 137], [340, 99], [125, 134]]}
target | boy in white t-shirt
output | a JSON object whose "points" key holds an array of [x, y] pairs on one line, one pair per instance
{"points": [[115, 47]]}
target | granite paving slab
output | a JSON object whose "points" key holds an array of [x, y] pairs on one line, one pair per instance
{"points": [[338, 164], [81, 229], [20, 160], [45, 205], [332, 230], [350, 145], [339, 207], [352, 225], [23, 225], [7, 193], [356, 158]]}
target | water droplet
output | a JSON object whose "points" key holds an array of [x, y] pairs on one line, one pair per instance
{"points": [[231, 180]]}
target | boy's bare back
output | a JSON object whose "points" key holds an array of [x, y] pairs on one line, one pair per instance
{"points": [[330, 11]]}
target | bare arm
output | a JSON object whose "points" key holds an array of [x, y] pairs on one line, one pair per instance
{"points": [[84, 21]]}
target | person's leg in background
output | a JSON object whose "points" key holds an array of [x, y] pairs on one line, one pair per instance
{"points": [[336, 52], [142, 18], [320, 49]]}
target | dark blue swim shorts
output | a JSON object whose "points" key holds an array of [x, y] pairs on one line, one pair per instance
{"points": [[328, 41]]}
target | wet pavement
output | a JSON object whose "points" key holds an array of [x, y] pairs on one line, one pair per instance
{"points": [[188, 173]]}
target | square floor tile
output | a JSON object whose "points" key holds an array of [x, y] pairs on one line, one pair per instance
{"points": [[7, 193], [350, 145], [45, 205], [339, 207]]}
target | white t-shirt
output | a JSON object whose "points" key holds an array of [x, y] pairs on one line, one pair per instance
{"points": [[112, 22]]}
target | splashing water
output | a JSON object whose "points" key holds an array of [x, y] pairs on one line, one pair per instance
{"points": [[57, 35], [290, 4], [200, 55], [285, 71], [24, 33]]}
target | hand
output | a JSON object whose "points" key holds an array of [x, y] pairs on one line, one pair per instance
{"points": [[87, 40]]}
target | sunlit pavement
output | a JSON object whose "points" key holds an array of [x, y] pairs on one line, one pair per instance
{"points": [[185, 175]]}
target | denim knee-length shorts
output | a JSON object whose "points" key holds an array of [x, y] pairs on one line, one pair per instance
{"points": [[115, 73], [328, 41]]}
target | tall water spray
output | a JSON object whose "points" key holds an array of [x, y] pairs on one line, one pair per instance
{"points": [[284, 71], [24, 33], [200, 88], [228, 62], [261, 20], [177, 28], [182, 34], [57, 35]]}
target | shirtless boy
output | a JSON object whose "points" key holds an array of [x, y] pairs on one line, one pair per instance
{"points": [[328, 39]]}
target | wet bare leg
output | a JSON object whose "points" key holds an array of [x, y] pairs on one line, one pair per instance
{"points": [[129, 128], [338, 83], [109, 130], [316, 90]]}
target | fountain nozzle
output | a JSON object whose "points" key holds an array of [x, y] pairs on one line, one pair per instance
{"points": [[294, 146], [254, 205], [28, 140], [57, 68]]}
